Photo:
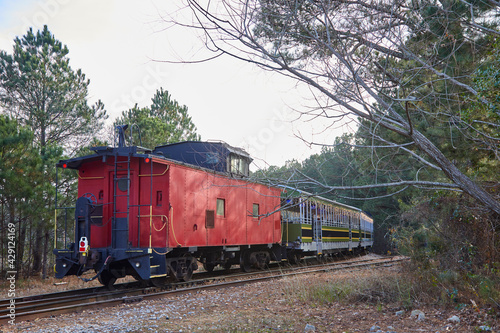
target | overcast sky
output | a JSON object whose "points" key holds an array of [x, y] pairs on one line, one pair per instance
{"points": [[115, 44]]}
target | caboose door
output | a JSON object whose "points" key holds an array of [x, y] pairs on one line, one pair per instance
{"points": [[124, 207], [153, 212]]}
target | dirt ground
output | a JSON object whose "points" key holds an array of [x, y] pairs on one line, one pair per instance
{"points": [[275, 306]]}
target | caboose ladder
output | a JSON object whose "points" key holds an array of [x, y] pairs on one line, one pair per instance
{"points": [[121, 217]]}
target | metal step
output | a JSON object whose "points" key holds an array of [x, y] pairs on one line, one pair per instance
{"points": [[153, 270], [157, 276]]}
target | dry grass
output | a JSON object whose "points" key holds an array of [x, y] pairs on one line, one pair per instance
{"points": [[358, 286], [407, 287], [344, 301]]}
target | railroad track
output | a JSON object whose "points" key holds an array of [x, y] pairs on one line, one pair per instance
{"points": [[38, 306]]}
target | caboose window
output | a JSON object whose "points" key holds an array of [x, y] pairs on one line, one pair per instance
{"points": [[239, 165], [221, 207], [159, 198], [255, 211], [212, 158], [123, 184]]}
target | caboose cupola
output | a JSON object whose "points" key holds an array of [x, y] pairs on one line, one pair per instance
{"points": [[217, 156]]}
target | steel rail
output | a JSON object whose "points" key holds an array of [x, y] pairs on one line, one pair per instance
{"points": [[200, 275], [46, 305]]}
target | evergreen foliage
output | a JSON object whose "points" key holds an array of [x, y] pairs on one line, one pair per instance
{"points": [[40, 89], [44, 111], [422, 78], [164, 122]]}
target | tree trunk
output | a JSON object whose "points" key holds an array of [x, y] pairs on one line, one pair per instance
{"points": [[36, 250], [454, 174], [20, 248], [45, 250]]}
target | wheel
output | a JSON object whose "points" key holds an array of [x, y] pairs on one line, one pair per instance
{"points": [[159, 282], [293, 258], [107, 279], [227, 266], [245, 264], [321, 258], [209, 267]]}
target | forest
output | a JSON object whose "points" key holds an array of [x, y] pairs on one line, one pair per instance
{"points": [[419, 81], [44, 117]]}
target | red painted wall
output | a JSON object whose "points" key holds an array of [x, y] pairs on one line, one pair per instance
{"points": [[193, 192], [178, 198]]}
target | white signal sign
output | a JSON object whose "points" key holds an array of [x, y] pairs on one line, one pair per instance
{"points": [[83, 244]]}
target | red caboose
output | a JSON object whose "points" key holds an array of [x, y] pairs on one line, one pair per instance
{"points": [[153, 214]]}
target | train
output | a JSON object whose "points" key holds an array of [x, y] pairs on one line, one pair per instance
{"points": [[155, 214]]}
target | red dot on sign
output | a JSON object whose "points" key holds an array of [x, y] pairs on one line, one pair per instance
{"points": [[82, 244], [147, 159], [65, 165]]}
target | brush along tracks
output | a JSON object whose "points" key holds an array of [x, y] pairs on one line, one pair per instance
{"points": [[32, 307]]}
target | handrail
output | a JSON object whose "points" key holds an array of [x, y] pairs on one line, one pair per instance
{"points": [[65, 224], [87, 178], [55, 228], [150, 218], [156, 174], [172, 224], [151, 224], [165, 216]]}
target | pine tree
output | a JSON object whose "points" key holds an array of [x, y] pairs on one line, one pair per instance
{"points": [[20, 179], [164, 122], [41, 90]]}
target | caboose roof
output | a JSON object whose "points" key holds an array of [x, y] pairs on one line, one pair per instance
{"points": [[216, 156], [202, 146], [101, 153]]}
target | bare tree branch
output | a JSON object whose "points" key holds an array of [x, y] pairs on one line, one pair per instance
{"points": [[362, 58]]}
